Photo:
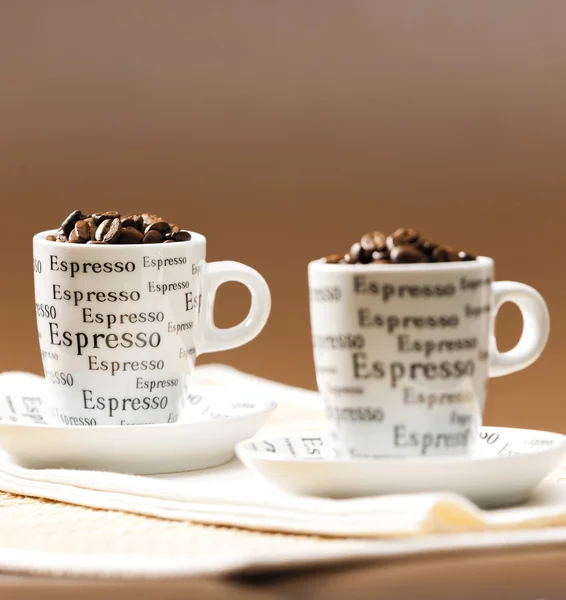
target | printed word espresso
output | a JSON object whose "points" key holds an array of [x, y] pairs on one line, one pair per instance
{"points": [[365, 286], [364, 368], [77, 296], [107, 341], [113, 405], [90, 268], [126, 366]]}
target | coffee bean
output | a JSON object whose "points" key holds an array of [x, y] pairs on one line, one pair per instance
{"points": [[162, 226], [333, 259], [358, 254], [114, 231], [109, 231], [405, 245], [133, 221], [444, 254], [82, 232], [74, 238], [91, 227], [51, 238], [111, 228], [149, 219], [169, 241], [111, 214], [402, 237], [407, 254], [374, 240], [97, 242], [130, 235], [102, 230], [377, 255], [426, 246], [181, 236], [70, 222], [98, 218], [152, 237]]}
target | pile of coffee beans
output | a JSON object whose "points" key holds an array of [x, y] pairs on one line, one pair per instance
{"points": [[113, 228], [404, 245]]}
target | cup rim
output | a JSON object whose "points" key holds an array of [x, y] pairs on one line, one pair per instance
{"points": [[39, 238], [479, 262]]}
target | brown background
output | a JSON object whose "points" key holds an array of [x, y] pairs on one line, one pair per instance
{"points": [[282, 130]]}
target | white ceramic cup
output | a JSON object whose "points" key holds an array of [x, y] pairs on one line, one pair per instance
{"points": [[403, 353], [120, 326]]}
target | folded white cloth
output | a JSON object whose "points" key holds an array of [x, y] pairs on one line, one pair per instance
{"points": [[230, 495]]}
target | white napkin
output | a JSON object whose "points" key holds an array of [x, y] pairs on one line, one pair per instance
{"points": [[230, 495]]}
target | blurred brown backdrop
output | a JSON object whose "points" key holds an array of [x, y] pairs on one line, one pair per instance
{"points": [[282, 130]]}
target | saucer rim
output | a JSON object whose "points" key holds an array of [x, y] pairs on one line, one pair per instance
{"points": [[242, 451], [267, 407]]}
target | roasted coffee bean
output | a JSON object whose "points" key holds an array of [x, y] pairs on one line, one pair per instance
{"points": [[426, 246], [112, 228], [97, 242], [98, 218], [358, 254], [402, 237], [109, 231], [374, 240], [69, 223], [82, 231], [181, 236], [130, 235], [377, 255], [91, 227], [51, 238], [111, 214], [132, 221], [162, 226], [444, 254], [407, 254], [102, 230], [152, 237], [114, 232], [149, 219], [74, 238], [333, 259], [168, 241], [405, 245]]}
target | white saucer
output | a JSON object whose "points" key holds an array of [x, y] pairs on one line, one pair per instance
{"points": [[207, 440], [506, 466]]}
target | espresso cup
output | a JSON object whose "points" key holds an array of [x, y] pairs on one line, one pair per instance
{"points": [[403, 352], [120, 326]]}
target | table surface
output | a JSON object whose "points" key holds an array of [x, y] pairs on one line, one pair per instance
{"points": [[518, 574]]}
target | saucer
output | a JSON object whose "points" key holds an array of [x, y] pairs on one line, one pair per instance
{"points": [[506, 466], [206, 440]]}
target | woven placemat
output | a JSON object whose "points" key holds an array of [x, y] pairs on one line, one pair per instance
{"points": [[47, 526]]}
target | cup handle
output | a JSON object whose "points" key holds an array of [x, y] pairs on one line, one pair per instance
{"points": [[536, 327], [212, 338]]}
